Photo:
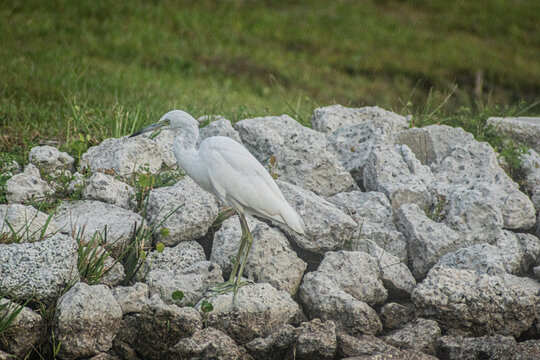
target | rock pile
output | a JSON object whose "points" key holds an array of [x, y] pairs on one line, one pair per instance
{"points": [[418, 245]]}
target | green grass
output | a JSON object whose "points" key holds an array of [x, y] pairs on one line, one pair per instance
{"points": [[78, 72]]}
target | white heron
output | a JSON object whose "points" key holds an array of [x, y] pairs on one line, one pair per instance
{"points": [[226, 169]]}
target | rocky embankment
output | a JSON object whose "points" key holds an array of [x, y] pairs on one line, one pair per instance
{"points": [[418, 245]]}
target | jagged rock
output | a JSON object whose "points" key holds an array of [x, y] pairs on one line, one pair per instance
{"points": [[529, 349], [154, 330], [114, 272], [124, 156], [420, 335], [327, 227], [198, 210], [330, 118], [270, 260], [458, 160], [522, 129], [301, 155], [192, 281], [10, 168], [163, 141], [24, 332], [178, 257], [24, 223], [104, 356], [394, 315], [50, 160], [362, 345], [208, 343], [39, 270], [395, 275], [356, 273], [275, 346], [394, 171], [324, 299], [115, 226], [530, 169], [428, 240], [476, 303], [106, 188], [485, 347], [220, 127], [373, 214], [398, 354], [131, 298], [86, 320], [24, 187], [315, 340], [259, 310], [353, 144]]}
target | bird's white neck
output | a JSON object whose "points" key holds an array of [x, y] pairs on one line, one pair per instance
{"points": [[185, 147]]}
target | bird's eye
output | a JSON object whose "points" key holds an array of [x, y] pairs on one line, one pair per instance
{"points": [[167, 122]]}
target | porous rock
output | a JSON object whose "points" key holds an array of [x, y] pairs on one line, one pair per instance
{"points": [[324, 299], [114, 272], [38, 270], [530, 169], [86, 320], [479, 304], [300, 153], [24, 187], [115, 226], [395, 171], [275, 346], [151, 332], [24, 332], [50, 160], [327, 227], [195, 208], [220, 127], [356, 273], [315, 340], [428, 240], [330, 118], [123, 156], [131, 298], [178, 257], [360, 345], [259, 310], [472, 348], [270, 260], [522, 129], [395, 315], [207, 343], [24, 222], [420, 334], [107, 189]]}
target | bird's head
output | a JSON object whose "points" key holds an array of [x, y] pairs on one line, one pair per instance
{"points": [[174, 120]]}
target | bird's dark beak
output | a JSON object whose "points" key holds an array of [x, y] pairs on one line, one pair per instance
{"points": [[147, 129]]}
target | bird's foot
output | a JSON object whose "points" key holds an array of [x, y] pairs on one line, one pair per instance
{"points": [[225, 287]]}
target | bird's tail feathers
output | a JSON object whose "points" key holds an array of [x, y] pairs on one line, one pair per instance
{"points": [[292, 219]]}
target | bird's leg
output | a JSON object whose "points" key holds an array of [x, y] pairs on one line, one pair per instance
{"points": [[242, 258]]}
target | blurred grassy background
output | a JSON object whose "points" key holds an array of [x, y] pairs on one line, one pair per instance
{"points": [[79, 71]]}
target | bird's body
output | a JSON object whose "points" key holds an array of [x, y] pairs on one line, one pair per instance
{"points": [[225, 168]]}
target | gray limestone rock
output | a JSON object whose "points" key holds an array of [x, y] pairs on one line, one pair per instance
{"points": [[131, 299], [330, 118], [196, 211], [124, 156], [476, 303], [24, 223], [179, 257], [23, 187], [356, 273], [275, 346], [158, 327], [108, 189], [207, 343], [114, 225], [114, 272], [24, 332], [315, 340], [327, 227], [361, 345], [39, 270], [428, 240], [50, 160], [394, 315], [192, 281], [484, 347], [530, 169], [394, 171], [270, 260], [86, 320], [420, 334], [260, 309], [301, 155], [324, 299], [220, 127], [522, 129]]}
